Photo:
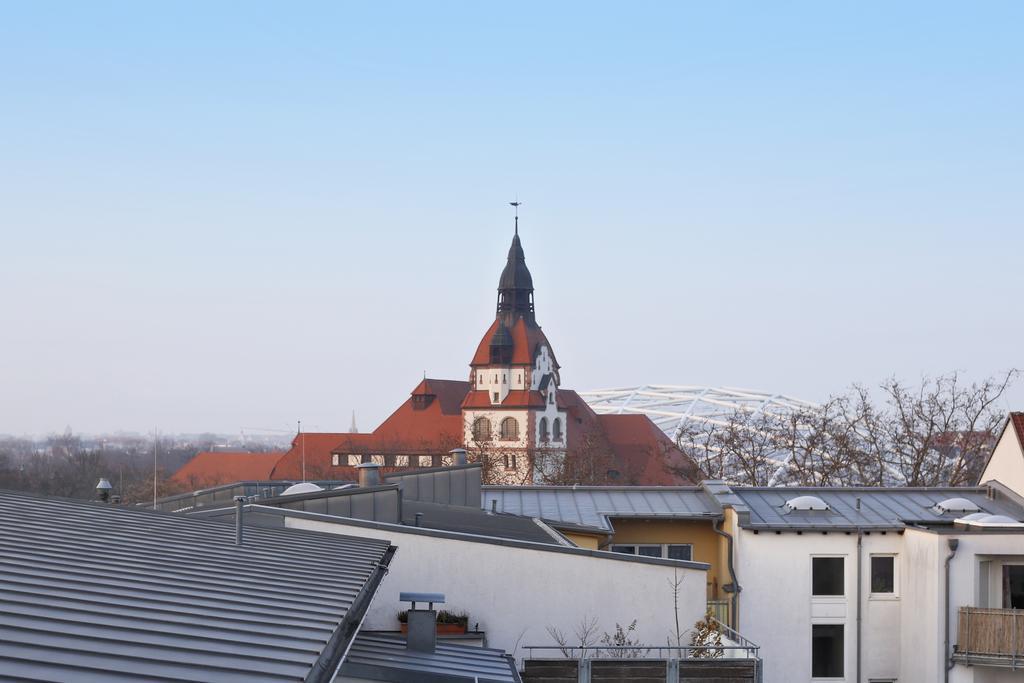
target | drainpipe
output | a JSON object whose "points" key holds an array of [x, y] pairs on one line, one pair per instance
{"points": [[734, 617], [947, 662], [860, 589]]}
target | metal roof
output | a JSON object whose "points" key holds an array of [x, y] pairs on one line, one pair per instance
{"points": [[92, 592], [225, 493], [880, 508], [384, 657], [591, 506], [476, 521]]}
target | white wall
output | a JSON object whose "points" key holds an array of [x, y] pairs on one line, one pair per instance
{"points": [[1007, 463], [777, 609], [516, 592]]}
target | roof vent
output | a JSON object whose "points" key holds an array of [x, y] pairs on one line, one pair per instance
{"points": [[955, 505], [304, 487], [986, 520], [805, 503]]}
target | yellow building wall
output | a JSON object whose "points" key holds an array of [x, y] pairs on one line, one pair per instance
{"points": [[707, 545], [584, 540]]}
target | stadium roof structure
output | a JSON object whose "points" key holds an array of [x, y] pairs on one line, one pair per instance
{"points": [[674, 408]]}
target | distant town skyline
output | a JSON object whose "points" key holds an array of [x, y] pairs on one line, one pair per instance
{"points": [[297, 211]]}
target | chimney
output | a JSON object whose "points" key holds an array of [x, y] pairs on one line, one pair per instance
{"points": [[422, 623], [369, 474], [239, 501], [459, 456], [103, 489]]}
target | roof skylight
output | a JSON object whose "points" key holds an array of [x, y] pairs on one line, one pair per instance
{"points": [[805, 503], [955, 505]]}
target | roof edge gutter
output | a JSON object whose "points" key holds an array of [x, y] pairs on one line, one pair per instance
{"points": [[327, 666]]}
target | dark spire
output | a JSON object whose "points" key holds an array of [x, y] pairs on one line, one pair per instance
{"points": [[515, 288]]}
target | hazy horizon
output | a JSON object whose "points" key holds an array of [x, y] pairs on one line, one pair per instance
{"points": [[216, 219]]}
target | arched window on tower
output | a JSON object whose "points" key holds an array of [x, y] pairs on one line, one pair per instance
{"points": [[544, 430], [556, 428], [481, 429], [509, 429]]}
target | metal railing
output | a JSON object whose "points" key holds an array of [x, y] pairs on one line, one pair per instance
{"points": [[747, 650], [719, 610], [991, 636]]}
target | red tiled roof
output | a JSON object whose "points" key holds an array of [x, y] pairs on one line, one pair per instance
{"points": [[521, 398], [1018, 426], [645, 451], [428, 422], [525, 339], [215, 468]]}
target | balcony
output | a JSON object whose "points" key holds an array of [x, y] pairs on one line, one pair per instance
{"points": [[990, 637]]}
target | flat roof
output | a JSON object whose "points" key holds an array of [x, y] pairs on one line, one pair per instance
{"points": [[384, 657], [93, 592], [592, 506], [850, 508]]}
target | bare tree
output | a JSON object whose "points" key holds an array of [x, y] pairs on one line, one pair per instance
{"points": [[939, 432]]}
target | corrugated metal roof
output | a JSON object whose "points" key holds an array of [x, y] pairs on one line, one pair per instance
{"points": [[383, 656], [474, 521], [91, 592], [880, 508], [593, 505]]}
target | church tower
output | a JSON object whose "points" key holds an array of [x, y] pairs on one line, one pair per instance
{"points": [[512, 408]]}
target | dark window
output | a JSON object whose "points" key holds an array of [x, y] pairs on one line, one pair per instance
{"points": [[1013, 586], [680, 552], [481, 429], [827, 651], [556, 429], [649, 550], [495, 396], [883, 574], [827, 576], [627, 549], [544, 429], [509, 429]]}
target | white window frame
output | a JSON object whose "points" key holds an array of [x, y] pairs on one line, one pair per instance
{"points": [[895, 595], [335, 459], [664, 549]]}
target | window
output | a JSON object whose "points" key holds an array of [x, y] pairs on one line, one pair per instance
{"points": [[481, 429], [556, 429], [883, 574], [827, 651], [544, 429], [827, 576], [1013, 586], [509, 429], [679, 552], [673, 551], [335, 459], [551, 398]]}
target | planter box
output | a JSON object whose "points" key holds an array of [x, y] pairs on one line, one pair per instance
{"points": [[442, 629]]}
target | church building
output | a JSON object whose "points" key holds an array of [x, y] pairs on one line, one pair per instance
{"points": [[512, 415]]}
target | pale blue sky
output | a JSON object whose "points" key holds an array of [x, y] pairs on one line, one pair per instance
{"points": [[226, 215]]}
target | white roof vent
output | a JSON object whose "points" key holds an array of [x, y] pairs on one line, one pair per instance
{"points": [[955, 505], [304, 487], [806, 503], [987, 520]]}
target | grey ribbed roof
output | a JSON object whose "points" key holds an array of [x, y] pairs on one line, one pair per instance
{"points": [[475, 521], [384, 657], [90, 592], [592, 505], [880, 508]]}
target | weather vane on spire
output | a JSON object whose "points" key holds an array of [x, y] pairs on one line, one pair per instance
{"points": [[516, 204]]}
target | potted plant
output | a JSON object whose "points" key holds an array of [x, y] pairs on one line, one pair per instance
{"points": [[447, 622]]}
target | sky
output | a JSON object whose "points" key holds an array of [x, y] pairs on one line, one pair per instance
{"points": [[220, 216]]}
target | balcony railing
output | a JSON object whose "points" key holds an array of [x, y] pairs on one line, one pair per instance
{"points": [[992, 637]]}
